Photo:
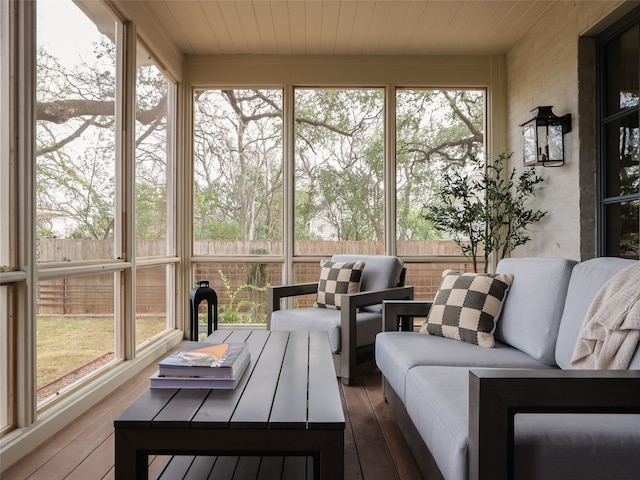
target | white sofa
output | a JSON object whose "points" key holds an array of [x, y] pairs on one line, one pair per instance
{"points": [[518, 410]]}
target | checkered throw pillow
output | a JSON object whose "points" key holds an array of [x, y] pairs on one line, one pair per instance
{"points": [[467, 306], [336, 279]]}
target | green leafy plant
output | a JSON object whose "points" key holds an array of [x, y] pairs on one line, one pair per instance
{"points": [[240, 311], [486, 207]]}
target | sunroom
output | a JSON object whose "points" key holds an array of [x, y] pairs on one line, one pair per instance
{"points": [[147, 145]]}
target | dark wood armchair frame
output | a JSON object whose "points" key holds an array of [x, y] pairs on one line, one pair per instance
{"points": [[497, 395], [350, 361]]}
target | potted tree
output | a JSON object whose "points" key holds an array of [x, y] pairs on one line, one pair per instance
{"points": [[485, 207]]}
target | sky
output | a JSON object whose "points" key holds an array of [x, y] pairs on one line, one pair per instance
{"points": [[64, 30]]}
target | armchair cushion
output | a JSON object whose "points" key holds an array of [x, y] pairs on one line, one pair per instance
{"points": [[467, 306], [337, 279], [368, 324]]}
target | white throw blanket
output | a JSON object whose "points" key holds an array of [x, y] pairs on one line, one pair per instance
{"points": [[611, 330]]}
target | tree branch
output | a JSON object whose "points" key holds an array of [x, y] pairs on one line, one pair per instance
{"points": [[60, 111], [58, 145]]}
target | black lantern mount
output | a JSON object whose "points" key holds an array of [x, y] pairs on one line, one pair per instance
{"points": [[543, 137]]}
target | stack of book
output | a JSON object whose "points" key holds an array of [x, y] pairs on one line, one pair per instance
{"points": [[203, 365]]}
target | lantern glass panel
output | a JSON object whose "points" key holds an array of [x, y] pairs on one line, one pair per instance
{"points": [[530, 143], [556, 146], [543, 143]]}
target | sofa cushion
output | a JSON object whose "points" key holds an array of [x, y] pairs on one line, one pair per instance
{"points": [[586, 281], [610, 332], [438, 405], [532, 310], [561, 446], [368, 324], [467, 306], [337, 279], [398, 352]]}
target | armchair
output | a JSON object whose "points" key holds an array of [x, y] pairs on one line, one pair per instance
{"points": [[353, 328]]}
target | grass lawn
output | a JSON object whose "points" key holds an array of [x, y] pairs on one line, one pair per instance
{"points": [[65, 343]]}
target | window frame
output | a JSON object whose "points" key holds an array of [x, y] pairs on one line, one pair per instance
{"points": [[20, 277], [291, 262], [603, 120], [7, 236]]}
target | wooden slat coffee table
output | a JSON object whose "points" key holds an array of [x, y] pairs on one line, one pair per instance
{"points": [[287, 404]]}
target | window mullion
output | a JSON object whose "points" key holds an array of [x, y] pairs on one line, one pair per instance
{"points": [[125, 237], [25, 322], [288, 119], [390, 170]]}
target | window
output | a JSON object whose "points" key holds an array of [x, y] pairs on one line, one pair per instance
{"points": [[155, 100], [154, 302], [619, 140], [237, 197], [154, 199], [75, 192], [6, 173], [76, 329], [238, 172], [68, 308], [339, 169], [87, 207], [76, 136], [337, 196], [436, 130]]}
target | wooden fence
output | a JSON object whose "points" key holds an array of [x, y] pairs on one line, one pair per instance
{"points": [[240, 286]]}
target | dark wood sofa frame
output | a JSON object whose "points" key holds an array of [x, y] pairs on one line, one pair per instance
{"points": [[496, 396]]}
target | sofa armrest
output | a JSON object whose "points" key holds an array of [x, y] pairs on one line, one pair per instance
{"points": [[350, 305], [394, 310], [496, 396]]}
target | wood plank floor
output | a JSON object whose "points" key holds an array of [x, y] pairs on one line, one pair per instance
{"points": [[374, 446]]}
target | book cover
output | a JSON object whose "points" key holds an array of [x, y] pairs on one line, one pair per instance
{"points": [[173, 381], [202, 359], [156, 381]]}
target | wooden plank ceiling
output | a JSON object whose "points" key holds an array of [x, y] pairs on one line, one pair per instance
{"points": [[344, 27]]}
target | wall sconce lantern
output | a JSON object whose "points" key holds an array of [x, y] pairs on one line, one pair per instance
{"points": [[543, 137]]}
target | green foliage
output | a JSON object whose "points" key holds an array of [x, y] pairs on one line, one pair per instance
{"points": [[238, 164], [437, 131], [339, 164], [150, 211], [305, 212], [240, 310], [486, 207], [421, 228]]}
